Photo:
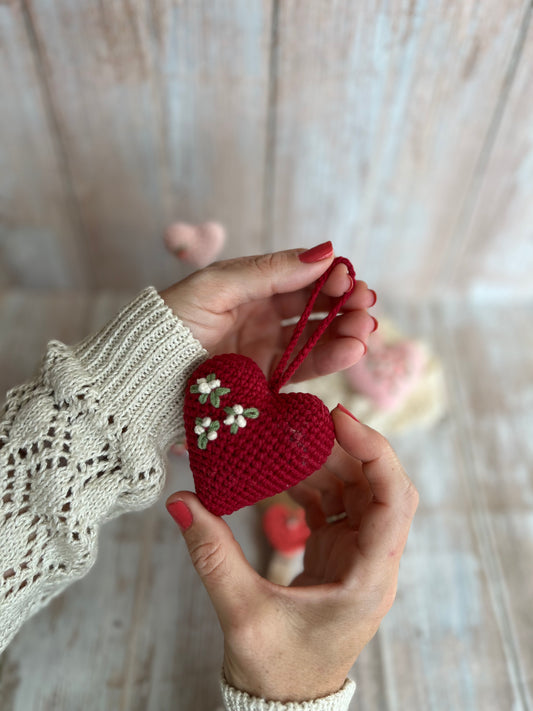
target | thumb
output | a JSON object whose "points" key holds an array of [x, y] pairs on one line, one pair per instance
{"points": [[249, 278], [231, 582]]}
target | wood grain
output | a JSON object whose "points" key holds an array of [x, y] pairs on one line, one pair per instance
{"points": [[40, 234], [381, 115], [497, 251], [160, 121]]}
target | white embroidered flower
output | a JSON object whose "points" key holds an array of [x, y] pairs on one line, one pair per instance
{"points": [[205, 386], [235, 416], [212, 435], [201, 428]]}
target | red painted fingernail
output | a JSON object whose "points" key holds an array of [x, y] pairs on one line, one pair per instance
{"points": [[181, 513], [347, 412], [316, 254], [375, 297], [376, 324]]}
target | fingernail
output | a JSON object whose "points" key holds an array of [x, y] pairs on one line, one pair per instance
{"points": [[347, 412], [351, 284], [181, 513], [375, 297], [376, 324], [364, 346], [316, 254]]}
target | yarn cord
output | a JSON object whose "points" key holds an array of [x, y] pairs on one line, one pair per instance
{"points": [[285, 370]]}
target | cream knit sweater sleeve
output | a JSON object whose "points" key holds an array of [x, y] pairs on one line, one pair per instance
{"points": [[83, 442], [235, 700]]}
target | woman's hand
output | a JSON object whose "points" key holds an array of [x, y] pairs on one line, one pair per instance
{"points": [[238, 306], [298, 643]]}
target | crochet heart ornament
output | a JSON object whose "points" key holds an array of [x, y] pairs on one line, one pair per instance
{"points": [[246, 440]]}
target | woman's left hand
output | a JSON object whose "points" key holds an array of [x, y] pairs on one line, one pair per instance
{"points": [[238, 306]]}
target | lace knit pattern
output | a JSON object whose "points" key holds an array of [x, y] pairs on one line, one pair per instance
{"points": [[235, 700], [84, 441]]}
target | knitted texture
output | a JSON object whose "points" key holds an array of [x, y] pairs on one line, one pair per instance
{"points": [[246, 442], [83, 442], [235, 700]]}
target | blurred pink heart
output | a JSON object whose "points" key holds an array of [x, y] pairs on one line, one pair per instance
{"points": [[387, 373], [198, 245]]}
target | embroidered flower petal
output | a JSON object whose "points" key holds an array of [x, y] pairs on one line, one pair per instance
{"points": [[206, 422], [204, 388], [198, 430], [238, 409], [212, 435], [241, 421], [230, 419]]}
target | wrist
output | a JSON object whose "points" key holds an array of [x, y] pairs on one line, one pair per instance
{"points": [[236, 699], [282, 682]]}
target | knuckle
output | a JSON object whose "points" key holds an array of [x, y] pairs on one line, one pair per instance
{"points": [[266, 264], [411, 495], [209, 559]]}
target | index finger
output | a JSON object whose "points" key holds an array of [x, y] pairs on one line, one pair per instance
{"points": [[386, 521]]}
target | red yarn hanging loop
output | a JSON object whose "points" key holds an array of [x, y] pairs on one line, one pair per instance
{"points": [[283, 371]]}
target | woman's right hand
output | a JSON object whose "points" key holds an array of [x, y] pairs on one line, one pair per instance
{"points": [[298, 643]]}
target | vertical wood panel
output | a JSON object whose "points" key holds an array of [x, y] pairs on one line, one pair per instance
{"points": [[161, 108], [382, 111], [213, 59], [497, 255], [40, 236]]}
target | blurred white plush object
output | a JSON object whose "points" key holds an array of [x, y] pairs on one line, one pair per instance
{"points": [[419, 397]]}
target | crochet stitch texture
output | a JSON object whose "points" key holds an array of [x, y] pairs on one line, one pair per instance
{"points": [[245, 441], [83, 442]]}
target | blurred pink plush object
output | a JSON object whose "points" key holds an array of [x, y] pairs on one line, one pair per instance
{"points": [[388, 372], [197, 244]]}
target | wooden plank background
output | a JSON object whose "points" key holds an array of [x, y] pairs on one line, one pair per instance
{"points": [[400, 130]]}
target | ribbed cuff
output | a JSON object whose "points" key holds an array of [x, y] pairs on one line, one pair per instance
{"points": [[139, 364], [235, 700]]}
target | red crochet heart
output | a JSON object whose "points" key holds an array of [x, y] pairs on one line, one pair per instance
{"points": [[245, 441]]}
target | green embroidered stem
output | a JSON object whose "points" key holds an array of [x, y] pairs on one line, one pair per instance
{"points": [[216, 395]]}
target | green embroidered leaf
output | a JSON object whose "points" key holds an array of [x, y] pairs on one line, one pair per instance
{"points": [[214, 426], [251, 412], [215, 400], [234, 428], [222, 391], [211, 377], [202, 441], [203, 398], [195, 389], [199, 421], [228, 410]]}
